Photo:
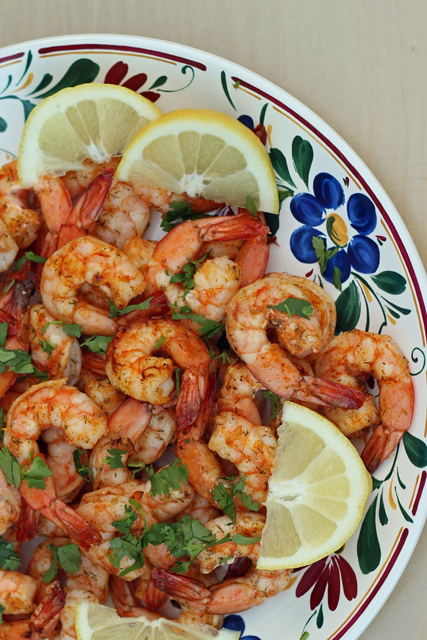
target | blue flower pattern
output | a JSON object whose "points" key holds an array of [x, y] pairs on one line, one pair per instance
{"points": [[236, 623], [361, 253]]}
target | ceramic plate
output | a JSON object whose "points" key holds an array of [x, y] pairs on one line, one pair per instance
{"points": [[326, 191]]}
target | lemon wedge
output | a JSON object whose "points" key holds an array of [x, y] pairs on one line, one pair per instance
{"points": [[95, 121], [317, 492], [96, 622], [202, 153]]}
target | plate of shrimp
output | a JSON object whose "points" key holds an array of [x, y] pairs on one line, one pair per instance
{"points": [[148, 363]]}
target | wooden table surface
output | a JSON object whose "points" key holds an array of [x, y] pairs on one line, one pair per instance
{"points": [[361, 65]]}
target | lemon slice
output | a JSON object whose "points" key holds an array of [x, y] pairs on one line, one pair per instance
{"points": [[202, 153], [317, 492], [95, 121], [96, 622]]}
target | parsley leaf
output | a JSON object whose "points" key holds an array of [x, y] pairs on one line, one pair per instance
{"points": [[128, 545], [177, 381], [36, 474], [179, 211], [3, 333], [115, 311], [274, 401], [72, 330], [97, 344], [239, 539], [294, 307], [2, 608], [225, 497], [47, 346], [159, 342], [136, 467], [323, 255], [167, 479], [84, 472], [10, 285], [186, 278], [19, 361], [53, 569], [336, 278], [250, 206], [10, 467], [223, 355], [208, 328], [29, 255], [2, 425], [70, 558], [114, 460], [9, 559]]}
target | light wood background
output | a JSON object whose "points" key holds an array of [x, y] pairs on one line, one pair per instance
{"points": [[359, 64]]}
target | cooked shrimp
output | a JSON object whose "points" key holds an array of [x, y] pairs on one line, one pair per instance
{"points": [[17, 592], [230, 596], [105, 506], [79, 180], [42, 621], [350, 359], [200, 509], [10, 504], [124, 216], [140, 251], [157, 436], [60, 460], [251, 448], [184, 242], [51, 348], [126, 600], [92, 261], [8, 248], [104, 395], [22, 222], [237, 393], [83, 424], [248, 316], [133, 368], [249, 525]]}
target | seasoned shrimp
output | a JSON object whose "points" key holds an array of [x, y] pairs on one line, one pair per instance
{"points": [[104, 395], [124, 216], [140, 251], [184, 242], [60, 460], [42, 622], [200, 509], [92, 261], [133, 368], [90, 581], [249, 525], [83, 424], [350, 359], [79, 180], [21, 222], [237, 393], [17, 592], [251, 448], [10, 504], [230, 596], [51, 348], [8, 248], [158, 435], [249, 315], [105, 506]]}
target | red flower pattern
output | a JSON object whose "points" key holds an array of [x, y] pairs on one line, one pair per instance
{"points": [[326, 574], [117, 74]]}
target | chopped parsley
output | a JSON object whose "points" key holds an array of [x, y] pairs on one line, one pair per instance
{"points": [[179, 211], [68, 557], [29, 255], [84, 472], [168, 479], [208, 328], [159, 342], [250, 206], [9, 559], [115, 311], [128, 545], [97, 344], [224, 497], [35, 475], [19, 361], [294, 307], [114, 460], [72, 330], [187, 277], [3, 333], [274, 402], [47, 346]]}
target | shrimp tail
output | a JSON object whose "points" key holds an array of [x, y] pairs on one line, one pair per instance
{"points": [[379, 446], [26, 527], [329, 394], [157, 306], [87, 209], [184, 589], [127, 605], [45, 618], [155, 599], [81, 531], [190, 400], [132, 413], [237, 227]]}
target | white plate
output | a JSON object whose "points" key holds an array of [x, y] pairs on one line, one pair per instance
{"points": [[384, 282]]}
